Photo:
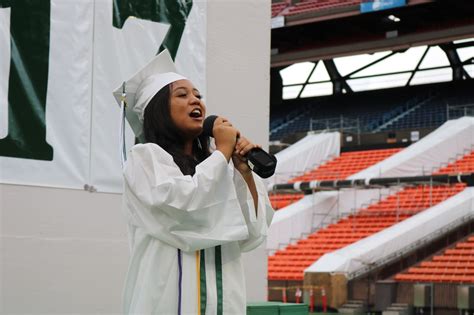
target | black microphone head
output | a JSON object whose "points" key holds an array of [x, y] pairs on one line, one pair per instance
{"points": [[208, 125]]}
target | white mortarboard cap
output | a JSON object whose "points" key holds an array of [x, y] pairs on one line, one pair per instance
{"points": [[134, 95]]}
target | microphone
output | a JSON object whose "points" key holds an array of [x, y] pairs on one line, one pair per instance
{"points": [[260, 162]]}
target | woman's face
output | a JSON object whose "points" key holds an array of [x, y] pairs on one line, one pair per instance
{"points": [[186, 108]]}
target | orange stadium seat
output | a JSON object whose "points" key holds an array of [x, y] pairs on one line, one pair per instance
{"points": [[307, 6], [278, 7]]}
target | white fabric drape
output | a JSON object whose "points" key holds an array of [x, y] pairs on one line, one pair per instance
{"points": [[304, 155]]}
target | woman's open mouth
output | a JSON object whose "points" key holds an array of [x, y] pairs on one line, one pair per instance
{"points": [[196, 114]]}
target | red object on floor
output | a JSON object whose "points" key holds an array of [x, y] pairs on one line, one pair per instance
{"points": [[298, 295], [325, 301], [311, 300]]}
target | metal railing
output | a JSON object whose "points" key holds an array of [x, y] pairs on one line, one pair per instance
{"points": [[411, 247], [340, 123], [453, 112]]}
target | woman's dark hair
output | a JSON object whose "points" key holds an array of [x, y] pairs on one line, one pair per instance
{"points": [[159, 128]]}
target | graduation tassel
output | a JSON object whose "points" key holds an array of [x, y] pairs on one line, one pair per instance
{"points": [[123, 105], [180, 280]]}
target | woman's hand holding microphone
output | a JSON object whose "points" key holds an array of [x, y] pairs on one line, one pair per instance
{"points": [[225, 136], [232, 145]]}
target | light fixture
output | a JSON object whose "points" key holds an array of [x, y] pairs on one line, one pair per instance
{"points": [[394, 18]]}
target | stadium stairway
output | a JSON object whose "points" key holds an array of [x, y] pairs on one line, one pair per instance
{"points": [[290, 262]]}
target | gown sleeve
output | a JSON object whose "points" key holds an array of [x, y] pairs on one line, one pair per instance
{"points": [[258, 221], [187, 212]]}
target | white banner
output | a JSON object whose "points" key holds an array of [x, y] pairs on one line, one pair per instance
{"points": [[64, 134], [94, 45]]}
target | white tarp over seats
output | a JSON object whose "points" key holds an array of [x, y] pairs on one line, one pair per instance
{"points": [[305, 155], [453, 138], [297, 219], [396, 239]]}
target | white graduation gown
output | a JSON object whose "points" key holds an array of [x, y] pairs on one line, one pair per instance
{"points": [[212, 211]]}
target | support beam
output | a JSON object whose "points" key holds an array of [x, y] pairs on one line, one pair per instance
{"points": [[367, 183], [365, 47]]}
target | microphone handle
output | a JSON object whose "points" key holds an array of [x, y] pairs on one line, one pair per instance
{"points": [[261, 163]]}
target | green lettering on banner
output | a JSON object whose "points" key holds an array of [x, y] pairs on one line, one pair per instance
{"points": [[173, 12], [28, 80], [29, 63]]}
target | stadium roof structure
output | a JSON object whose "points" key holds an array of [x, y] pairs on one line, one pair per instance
{"points": [[426, 64], [326, 34], [342, 50]]}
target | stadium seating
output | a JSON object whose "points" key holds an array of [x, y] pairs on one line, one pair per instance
{"points": [[453, 265], [431, 115], [347, 164], [372, 114], [290, 262], [373, 219], [364, 106], [465, 165], [435, 113], [308, 6], [277, 7], [282, 200]]}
